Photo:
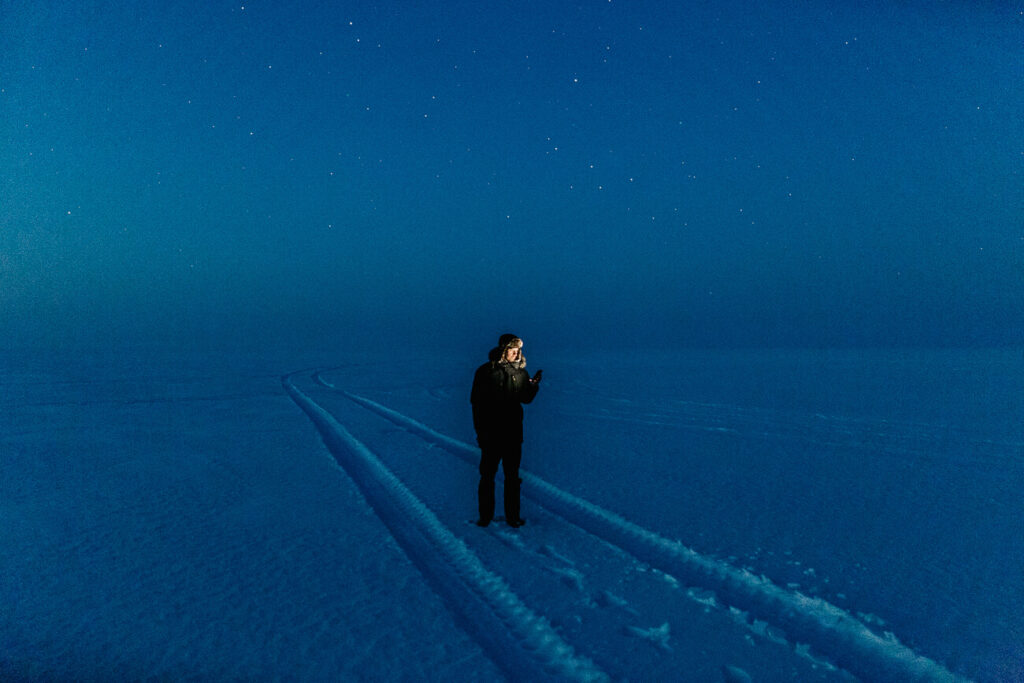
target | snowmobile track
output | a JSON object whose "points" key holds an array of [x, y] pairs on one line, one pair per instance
{"points": [[830, 631], [518, 640]]}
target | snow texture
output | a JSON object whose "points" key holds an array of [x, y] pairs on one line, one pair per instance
{"points": [[766, 518], [522, 642], [847, 642]]}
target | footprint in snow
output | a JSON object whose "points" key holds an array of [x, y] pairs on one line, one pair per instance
{"points": [[570, 577], [734, 674], [555, 555], [608, 599], [656, 635], [511, 538]]}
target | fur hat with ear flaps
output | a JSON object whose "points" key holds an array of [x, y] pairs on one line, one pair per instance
{"points": [[507, 341]]}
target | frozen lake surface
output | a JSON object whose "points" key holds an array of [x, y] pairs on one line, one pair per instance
{"points": [[772, 516]]}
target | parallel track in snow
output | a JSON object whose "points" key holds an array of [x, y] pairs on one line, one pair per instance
{"points": [[518, 640], [831, 631]]}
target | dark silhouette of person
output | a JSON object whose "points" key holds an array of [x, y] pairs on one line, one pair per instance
{"points": [[500, 387]]}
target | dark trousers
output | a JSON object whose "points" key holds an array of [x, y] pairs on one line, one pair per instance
{"points": [[509, 456]]}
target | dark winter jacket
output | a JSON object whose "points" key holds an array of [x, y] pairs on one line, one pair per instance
{"points": [[499, 389]]}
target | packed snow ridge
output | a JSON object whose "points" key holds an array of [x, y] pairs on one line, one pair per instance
{"points": [[516, 638], [831, 631]]}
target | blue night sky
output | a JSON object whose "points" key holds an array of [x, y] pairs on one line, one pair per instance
{"points": [[591, 173]]}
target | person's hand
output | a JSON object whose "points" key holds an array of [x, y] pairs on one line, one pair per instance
{"points": [[536, 377]]}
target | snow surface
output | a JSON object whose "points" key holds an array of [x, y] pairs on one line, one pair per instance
{"points": [[707, 516]]}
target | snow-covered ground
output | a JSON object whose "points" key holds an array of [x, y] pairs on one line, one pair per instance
{"points": [[703, 516]]}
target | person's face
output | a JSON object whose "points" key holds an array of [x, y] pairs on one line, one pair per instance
{"points": [[512, 353]]}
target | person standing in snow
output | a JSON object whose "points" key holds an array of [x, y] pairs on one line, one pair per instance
{"points": [[500, 387]]}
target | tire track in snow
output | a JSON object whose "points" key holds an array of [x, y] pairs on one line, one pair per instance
{"points": [[830, 630], [519, 641]]}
